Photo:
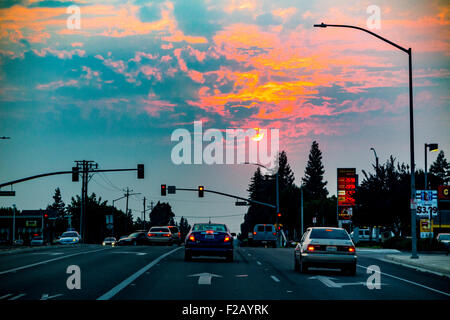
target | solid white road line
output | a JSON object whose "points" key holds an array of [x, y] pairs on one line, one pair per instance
{"points": [[46, 261], [411, 282], [5, 296], [18, 296], [275, 279], [111, 293]]}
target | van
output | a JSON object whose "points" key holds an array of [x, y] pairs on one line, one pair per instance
{"points": [[264, 234]]}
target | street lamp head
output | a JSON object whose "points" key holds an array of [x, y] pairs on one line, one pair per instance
{"points": [[433, 147], [322, 25]]}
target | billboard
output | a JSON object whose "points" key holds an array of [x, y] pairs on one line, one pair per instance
{"points": [[346, 186], [427, 202], [444, 192]]}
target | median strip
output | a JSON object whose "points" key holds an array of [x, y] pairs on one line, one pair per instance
{"points": [[111, 293]]}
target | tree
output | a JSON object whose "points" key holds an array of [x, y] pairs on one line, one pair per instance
{"points": [[59, 207], [184, 227], [162, 215], [441, 169], [314, 186]]}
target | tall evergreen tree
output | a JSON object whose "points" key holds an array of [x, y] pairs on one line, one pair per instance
{"points": [[313, 183], [162, 215], [441, 168], [59, 207]]}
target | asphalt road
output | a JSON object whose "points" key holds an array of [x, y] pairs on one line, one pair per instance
{"points": [[160, 273]]}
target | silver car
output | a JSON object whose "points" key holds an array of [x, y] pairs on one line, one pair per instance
{"points": [[327, 248], [160, 235]]}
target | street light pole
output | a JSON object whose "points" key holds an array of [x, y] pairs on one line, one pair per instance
{"points": [[431, 147], [411, 129], [376, 159]]}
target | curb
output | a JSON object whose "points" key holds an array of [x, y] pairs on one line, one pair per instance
{"points": [[413, 264], [19, 250]]}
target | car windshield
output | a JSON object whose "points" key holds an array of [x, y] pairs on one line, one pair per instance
{"points": [[338, 234], [215, 227], [110, 239], [134, 235], [159, 230], [69, 234], [444, 237]]}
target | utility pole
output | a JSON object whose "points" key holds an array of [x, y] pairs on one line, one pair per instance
{"points": [[84, 166], [301, 212], [144, 215], [127, 194]]}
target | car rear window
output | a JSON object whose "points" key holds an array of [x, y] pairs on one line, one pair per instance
{"points": [[269, 228], [174, 229], [215, 227], [69, 234], [159, 230], [260, 229], [329, 234]]}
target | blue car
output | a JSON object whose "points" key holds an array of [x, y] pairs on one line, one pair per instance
{"points": [[209, 239]]}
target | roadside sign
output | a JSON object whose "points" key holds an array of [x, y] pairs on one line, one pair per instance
{"points": [[241, 203], [425, 229], [109, 226], [426, 201], [31, 223], [7, 193], [171, 189], [109, 219], [444, 192]]}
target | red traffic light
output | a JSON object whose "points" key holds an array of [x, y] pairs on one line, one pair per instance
{"points": [[279, 214], [163, 190], [46, 215]]}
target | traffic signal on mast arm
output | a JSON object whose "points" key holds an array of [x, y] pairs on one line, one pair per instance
{"points": [[140, 171], [279, 214], [163, 190], [75, 174], [201, 191]]}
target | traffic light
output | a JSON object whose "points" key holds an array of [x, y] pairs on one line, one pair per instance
{"points": [[201, 191], [279, 214], [163, 190], [140, 171], [46, 216], [75, 172]]}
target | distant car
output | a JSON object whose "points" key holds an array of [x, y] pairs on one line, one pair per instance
{"points": [[176, 235], [160, 235], [444, 238], [264, 234], [134, 239], [18, 242], [327, 248], [109, 241], [70, 237], [209, 239], [37, 241]]}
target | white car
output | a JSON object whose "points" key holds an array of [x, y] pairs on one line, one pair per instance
{"points": [[70, 237], [37, 241], [109, 241]]}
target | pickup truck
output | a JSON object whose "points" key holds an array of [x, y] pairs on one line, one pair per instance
{"points": [[264, 234]]}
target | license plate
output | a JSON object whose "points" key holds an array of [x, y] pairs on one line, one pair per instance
{"points": [[209, 236], [331, 248]]}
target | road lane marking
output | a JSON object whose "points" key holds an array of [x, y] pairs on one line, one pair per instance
{"points": [[205, 277], [46, 261], [18, 296], [411, 282], [132, 252], [275, 279], [111, 293], [328, 281], [45, 296], [5, 296], [259, 263], [49, 253]]}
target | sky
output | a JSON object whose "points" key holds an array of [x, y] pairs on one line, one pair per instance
{"points": [[110, 81]]}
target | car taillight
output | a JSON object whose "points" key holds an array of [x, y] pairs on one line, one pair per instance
{"points": [[310, 248], [151, 235], [227, 238], [179, 234], [209, 231], [254, 232], [351, 249], [191, 238], [274, 233], [166, 235]]}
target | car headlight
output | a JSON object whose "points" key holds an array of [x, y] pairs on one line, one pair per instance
{"points": [[103, 243]]}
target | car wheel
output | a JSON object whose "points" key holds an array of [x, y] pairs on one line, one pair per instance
{"points": [[274, 245], [230, 257], [352, 269], [296, 265], [303, 267], [187, 256]]}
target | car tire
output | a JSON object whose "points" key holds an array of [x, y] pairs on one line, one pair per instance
{"points": [[303, 267], [187, 256], [296, 264], [274, 245], [230, 257], [352, 269]]}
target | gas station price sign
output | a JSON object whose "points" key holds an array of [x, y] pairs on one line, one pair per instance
{"points": [[346, 186]]}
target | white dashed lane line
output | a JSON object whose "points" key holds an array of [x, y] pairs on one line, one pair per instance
{"points": [[275, 279]]}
